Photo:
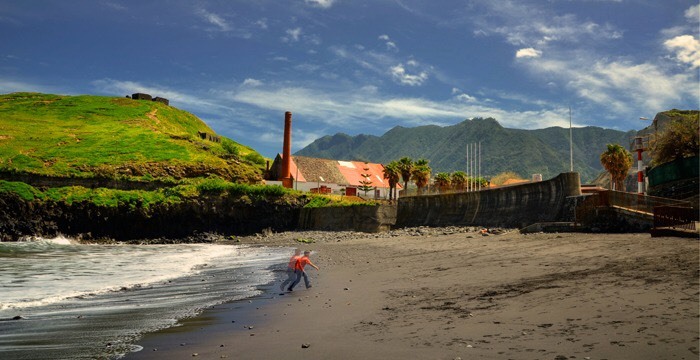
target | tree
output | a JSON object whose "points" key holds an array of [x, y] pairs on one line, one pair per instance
{"points": [[405, 167], [443, 181], [617, 161], [421, 174], [459, 180], [679, 140], [366, 183], [391, 173]]}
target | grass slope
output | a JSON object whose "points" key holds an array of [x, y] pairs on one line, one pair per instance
{"points": [[91, 136]]}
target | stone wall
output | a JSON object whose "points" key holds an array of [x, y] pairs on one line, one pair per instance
{"points": [[512, 206], [348, 218]]}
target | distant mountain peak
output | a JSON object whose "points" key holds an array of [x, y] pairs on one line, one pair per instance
{"points": [[526, 152]]}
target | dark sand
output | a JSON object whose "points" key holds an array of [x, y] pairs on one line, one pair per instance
{"points": [[510, 296]]}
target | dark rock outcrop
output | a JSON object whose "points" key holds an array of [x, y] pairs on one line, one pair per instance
{"points": [[226, 215]]}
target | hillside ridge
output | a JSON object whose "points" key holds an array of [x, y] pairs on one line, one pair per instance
{"points": [[526, 152], [89, 136]]}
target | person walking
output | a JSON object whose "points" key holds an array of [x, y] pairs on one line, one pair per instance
{"points": [[291, 276], [299, 270]]}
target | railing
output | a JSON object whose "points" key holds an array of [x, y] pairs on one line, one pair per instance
{"points": [[676, 217], [640, 202], [666, 212]]}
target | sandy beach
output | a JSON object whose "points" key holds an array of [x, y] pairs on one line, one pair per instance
{"points": [[434, 294]]}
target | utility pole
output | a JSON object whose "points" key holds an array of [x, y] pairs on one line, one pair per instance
{"points": [[571, 144], [467, 166], [479, 165]]}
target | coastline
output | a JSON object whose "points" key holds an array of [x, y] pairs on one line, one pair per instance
{"points": [[443, 294]]}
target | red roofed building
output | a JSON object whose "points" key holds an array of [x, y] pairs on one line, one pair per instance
{"points": [[332, 176]]}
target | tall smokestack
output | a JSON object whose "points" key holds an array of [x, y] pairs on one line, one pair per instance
{"points": [[286, 173]]}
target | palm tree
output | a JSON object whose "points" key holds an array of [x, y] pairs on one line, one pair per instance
{"points": [[391, 173], [617, 161], [405, 167], [459, 179], [442, 181], [421, 162], [421, 175]]}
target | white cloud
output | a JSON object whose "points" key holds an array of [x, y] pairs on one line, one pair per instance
{"points": [[325, 4], [262, 23], [348, 106], [193, 102], [214, 19], [9, 86], [114, 6], [693, 13], [528, 53], [620, 86], [687, 49], [400, 75], [293, 35], [524, 24], [465, 98], [390, 45], [252, 82]]}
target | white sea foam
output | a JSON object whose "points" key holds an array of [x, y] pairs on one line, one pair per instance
{"points": [[49, 271]]}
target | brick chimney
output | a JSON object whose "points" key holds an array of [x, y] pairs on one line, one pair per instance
{"points": [[286, 173]]}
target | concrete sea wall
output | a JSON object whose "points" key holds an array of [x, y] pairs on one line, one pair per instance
{"points": [[513, 206], [348, 218]]}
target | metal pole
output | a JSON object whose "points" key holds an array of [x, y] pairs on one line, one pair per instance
{"points": [[467, 167], [571, 143], [473, 168]]}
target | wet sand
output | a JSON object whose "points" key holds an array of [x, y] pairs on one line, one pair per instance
{"points": [[463, 295]]}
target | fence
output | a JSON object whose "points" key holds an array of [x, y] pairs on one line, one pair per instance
{"points": [[676, 217], [640, 202], [667, 212]]}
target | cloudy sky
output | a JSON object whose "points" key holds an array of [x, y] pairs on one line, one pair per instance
{"points": [[363, 66]]}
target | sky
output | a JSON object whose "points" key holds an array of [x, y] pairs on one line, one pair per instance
{"points": [[363, 66]]}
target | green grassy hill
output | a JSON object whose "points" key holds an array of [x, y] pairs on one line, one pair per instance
{"points": [[108, 137]]}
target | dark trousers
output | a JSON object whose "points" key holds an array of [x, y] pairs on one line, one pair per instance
{"points": [[300, 274]]}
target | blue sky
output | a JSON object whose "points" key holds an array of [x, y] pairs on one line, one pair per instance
{"points": [[357, 66]]}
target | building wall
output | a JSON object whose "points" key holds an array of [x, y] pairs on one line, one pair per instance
{"points": [[513, 206]]}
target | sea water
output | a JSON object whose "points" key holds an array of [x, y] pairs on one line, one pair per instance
{"points": [[64, 300]]}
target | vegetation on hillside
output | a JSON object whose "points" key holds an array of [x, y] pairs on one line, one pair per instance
{"points": [[120, 138], [190, 189], [526, 152], [326, 200], [679, 138]]}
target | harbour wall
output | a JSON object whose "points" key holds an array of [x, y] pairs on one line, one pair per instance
{"points": [[511, 206]]}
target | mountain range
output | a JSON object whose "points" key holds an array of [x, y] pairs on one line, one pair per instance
{"points": [[525, 152]]}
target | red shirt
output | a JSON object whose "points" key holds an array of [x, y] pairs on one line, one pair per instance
{"points": [[293, 261], [301, 263]]}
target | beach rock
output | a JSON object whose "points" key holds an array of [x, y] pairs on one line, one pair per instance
{"points": [[305, 346], [18, 317], [560, 357]]}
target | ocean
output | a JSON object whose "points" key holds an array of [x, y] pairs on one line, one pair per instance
{"points": [[64, 300]]}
